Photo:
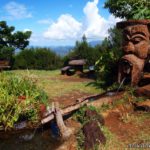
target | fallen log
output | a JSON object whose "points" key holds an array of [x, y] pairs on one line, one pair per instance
{"points": [[95, 96], [64, 111], [103, 98], [81, 102]]}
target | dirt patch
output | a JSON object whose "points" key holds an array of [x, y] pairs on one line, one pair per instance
{"points": [[127, 132], [122, 130], [69, 98], [107, 99]]}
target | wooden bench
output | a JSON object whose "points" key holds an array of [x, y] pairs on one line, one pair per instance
{"points": [[65, 69], [4, 64]]}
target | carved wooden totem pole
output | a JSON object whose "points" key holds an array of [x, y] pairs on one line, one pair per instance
{"points": [[136, 47]]}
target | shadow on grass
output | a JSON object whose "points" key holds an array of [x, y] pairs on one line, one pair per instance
{"points": [[95, 84], [88, 75], [106, 87]]}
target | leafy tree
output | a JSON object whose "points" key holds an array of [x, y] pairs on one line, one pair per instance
{"points": [[11, 40], [37, 58], [47, 59], [25, 59], [106, 66], [129, 9], [83, 50]]}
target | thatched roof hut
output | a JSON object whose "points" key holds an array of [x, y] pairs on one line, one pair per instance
{"points": [[76, 65], [79, 62], [65, 68]]}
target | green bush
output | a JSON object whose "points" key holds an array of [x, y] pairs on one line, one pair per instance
{"points": [[25, 59], [83, 50], [107, 64], [19, 96], [6, 53], [37, 58], [80, 114]]}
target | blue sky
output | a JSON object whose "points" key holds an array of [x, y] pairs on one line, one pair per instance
{"points": [[58, 22]]}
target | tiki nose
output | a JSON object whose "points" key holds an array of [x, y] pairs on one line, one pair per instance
{"points": [[129, 48]]}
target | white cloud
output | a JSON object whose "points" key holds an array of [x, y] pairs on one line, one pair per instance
{"points": [[93, 26], [25, 30], [65, 27], [96, 25], [35, 38], [45, 21], [38, 40], [112, 20], [17, 11]]}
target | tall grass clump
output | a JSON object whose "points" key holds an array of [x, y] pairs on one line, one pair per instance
{"points": [[20, 99]]}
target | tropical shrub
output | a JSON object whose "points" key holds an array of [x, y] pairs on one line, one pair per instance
{"points": [[20, 98], [106, 65]]}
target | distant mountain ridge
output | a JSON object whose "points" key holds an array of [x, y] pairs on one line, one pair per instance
{"points": [[94, 43], [61, 50]]}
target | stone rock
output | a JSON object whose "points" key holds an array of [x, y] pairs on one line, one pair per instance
{"points": [[142, 106], [93, 115], [143, 91], [145, 80], [93, 135]]}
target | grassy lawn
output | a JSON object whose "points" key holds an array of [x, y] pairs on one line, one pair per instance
{"points": [[24, 89], [121, 129], [57, 85]]}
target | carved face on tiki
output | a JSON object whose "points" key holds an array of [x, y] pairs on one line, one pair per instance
{"points": [[136, 40], [136, 46]]}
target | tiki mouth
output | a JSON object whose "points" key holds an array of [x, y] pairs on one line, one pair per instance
{"points": [[126, 71], [126, 66], [131, 68]]}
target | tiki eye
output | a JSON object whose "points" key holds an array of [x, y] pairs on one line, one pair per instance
{"points": [[136, 40], [126, 38]]}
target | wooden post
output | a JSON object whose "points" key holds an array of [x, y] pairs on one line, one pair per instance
{"points": [[65, 132]]}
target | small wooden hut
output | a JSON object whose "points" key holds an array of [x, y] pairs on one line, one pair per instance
{"points": [[76, 65], [4, 64], [65, 69]]}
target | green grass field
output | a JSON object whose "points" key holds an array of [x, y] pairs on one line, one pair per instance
{"points": [[55, 84]]}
